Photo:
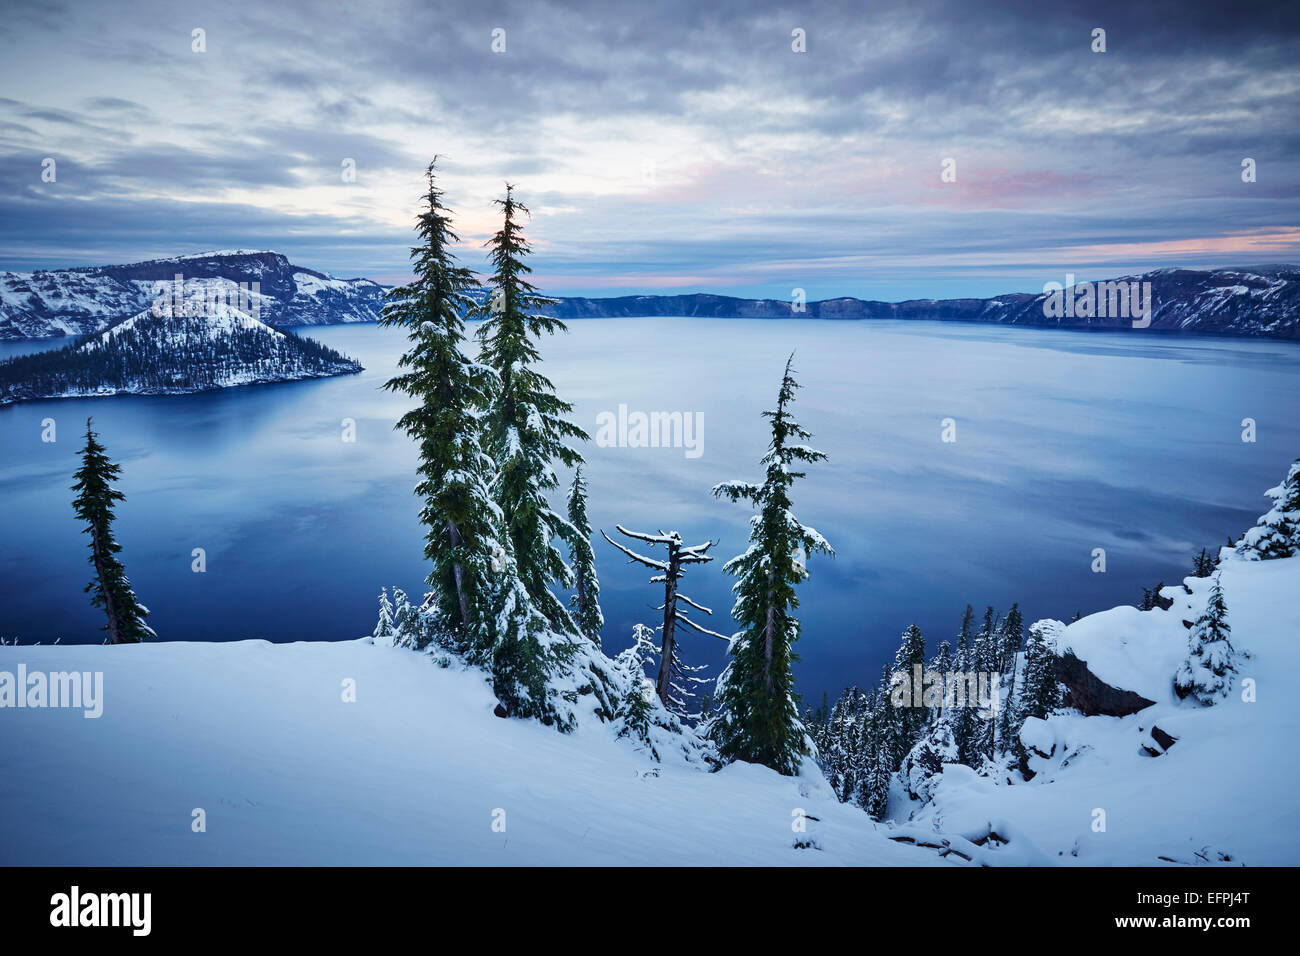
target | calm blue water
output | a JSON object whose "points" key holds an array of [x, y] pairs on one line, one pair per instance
{"points": [[1066, 442]]}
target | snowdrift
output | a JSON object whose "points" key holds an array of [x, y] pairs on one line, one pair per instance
{"points": [[1175, 783], [415, 771]]}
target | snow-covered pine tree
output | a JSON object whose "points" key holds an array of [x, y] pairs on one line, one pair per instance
{"points": [[884, 756], [110, 589], [1011, 637], [963, 717], [1203, 564], [525, 430], [407, 629], [676, 682], [584, 604], [758, 718], [459, 515], [987, 661], [1277, 533], [1040, 693], [910, 655], [383, 631], [1208, 671], [942, 665]]}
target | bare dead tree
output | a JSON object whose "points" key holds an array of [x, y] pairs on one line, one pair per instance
{"points": [[674, 676]]}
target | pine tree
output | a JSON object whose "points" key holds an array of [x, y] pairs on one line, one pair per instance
{"points": [[1208, 671], [458, 512], [1040, 693], [1203, 564], [759, 719], [525, 428], [910, 656], [963, 717], [986, 655], [585, 602], [1277, 533], [384, 628], [1012, 635], [407, 631], [942, 665], [110, 588], [676, 682]]}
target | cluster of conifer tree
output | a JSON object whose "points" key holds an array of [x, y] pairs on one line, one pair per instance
{"points": [[161, 354], [869, 740], [491, 433]]}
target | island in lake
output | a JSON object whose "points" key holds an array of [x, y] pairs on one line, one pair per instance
{"points": [[163, 351]]}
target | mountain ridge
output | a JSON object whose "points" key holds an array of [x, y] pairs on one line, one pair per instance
{"points": [[1251, 301]]}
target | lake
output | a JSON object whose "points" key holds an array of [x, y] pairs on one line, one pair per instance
{"points": [[1065, 442]]}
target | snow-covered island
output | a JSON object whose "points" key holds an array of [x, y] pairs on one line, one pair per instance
{"points": [[56, 302], [163, 351]]}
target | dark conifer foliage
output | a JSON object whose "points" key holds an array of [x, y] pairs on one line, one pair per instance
{"points": [[525, 430], [758, 718], [168, 355], [110, 589], [584, 605], [455, 474]]}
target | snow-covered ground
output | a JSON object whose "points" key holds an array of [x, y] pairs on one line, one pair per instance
{"points": [[1224, 792], [414, 772], [417, 770]]}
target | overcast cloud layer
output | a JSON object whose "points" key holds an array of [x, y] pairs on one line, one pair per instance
{"points": [[662, 147]]}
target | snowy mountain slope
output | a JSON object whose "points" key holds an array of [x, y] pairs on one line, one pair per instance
{"points": [[171, 353], [78, 301], [1224, 792], [1252, 300], [1261, 300], [258, 736]]}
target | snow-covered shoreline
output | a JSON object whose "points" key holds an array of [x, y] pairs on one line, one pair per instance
{"points": [[415, 771]]}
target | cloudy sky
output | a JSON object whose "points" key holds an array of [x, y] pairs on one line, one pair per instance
{"points": [[662, 146]]}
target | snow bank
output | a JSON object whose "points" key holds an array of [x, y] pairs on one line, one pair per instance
{"points": [[1223, 792], [258, 736]]}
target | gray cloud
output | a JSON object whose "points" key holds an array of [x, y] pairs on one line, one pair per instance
{"points": [[818, 169]]}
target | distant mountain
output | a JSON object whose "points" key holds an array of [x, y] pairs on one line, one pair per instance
{"points": [[46, 304], [1249, 301], [1253, 300], [170, 352]]}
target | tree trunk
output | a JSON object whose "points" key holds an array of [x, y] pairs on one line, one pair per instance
{"points": [[668, 648], [459, 573], [110, 606], [769, 629]]}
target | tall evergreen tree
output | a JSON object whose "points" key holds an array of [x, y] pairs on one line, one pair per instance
{"points": [[1040, 694], [384, 627], [942, 665], [910, 655], [1011, 637], [584, 605], [525, 428], [1207, 672], [458, 512], [963, 717], [110, 589], [759, 714]]}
